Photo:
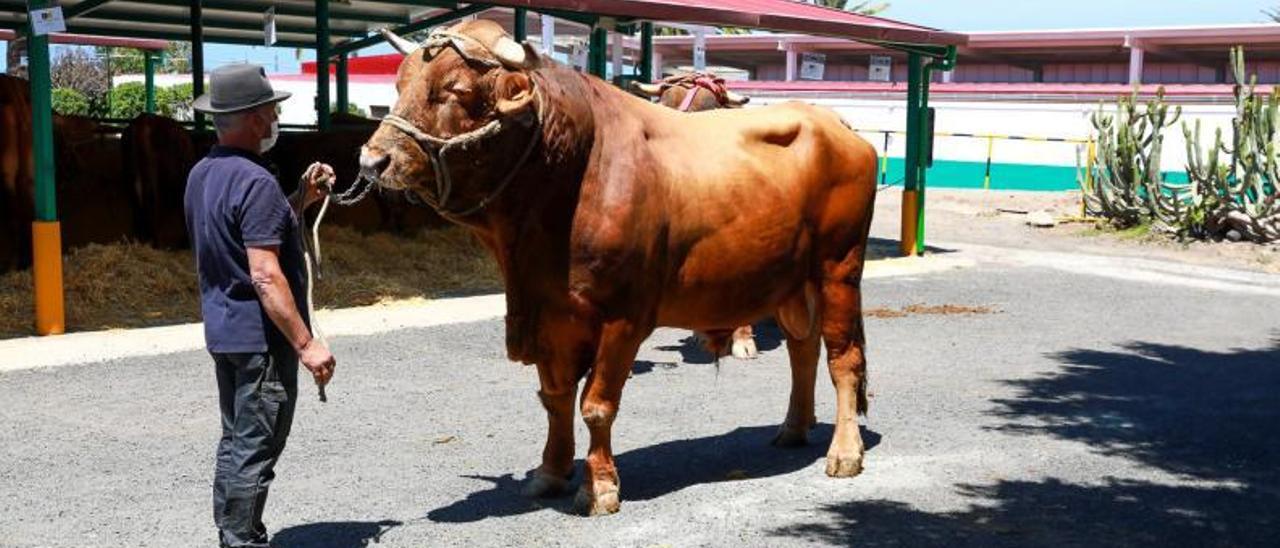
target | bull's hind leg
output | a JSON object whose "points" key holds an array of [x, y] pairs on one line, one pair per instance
{"points": [[794, 431], [843, 334], [619, 342]]}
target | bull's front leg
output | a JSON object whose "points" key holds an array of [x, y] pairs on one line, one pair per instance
{"points": [[619, 342], [558, 376]]}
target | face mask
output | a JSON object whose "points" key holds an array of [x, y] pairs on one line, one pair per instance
{"points": [[270, 141]]}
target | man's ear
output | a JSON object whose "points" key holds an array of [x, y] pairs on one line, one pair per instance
{"points": [[513, 93]]}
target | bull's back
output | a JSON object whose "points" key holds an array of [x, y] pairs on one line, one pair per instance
{"points": [[792, 186]]}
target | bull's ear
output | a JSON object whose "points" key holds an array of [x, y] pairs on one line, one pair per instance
{"points": [[513, 93]]}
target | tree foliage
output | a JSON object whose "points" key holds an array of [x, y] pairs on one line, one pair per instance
{"points": [[69, 102], [81, 70]]}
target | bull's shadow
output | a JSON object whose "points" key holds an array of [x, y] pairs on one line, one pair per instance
{"points": [[1208, 417], [657, 470]]}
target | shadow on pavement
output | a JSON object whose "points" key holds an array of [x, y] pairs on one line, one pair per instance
{"points": [[1208, 418], [657, 470], [336, 534]]}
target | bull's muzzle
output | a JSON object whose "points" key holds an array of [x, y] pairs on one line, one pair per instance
{"points": [[373, 163]]}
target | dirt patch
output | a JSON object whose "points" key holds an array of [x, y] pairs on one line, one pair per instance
{"points": [[928, 310], [133, 285], [998, 218]]}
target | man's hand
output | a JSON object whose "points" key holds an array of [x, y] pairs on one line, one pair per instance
{"points": [[315, 357], [317, 180]]}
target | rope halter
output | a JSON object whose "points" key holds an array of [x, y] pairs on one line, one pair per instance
{"points": [[439, 148]]}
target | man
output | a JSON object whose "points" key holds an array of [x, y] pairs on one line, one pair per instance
{"points": [[247, 244]]}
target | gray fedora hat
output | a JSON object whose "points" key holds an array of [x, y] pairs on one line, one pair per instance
{"points": [[233, 88]]}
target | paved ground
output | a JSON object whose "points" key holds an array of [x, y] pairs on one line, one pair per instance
{"points": [[1103, 404]]}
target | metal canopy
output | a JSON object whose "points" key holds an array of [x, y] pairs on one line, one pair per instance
{"points": [[241, 21], [228, 21], [774, 15]]}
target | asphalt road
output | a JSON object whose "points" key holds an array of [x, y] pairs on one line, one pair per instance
{"points": [[1086, 410]]}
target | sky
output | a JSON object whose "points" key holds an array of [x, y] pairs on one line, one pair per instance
{"points": [[968, 15]]}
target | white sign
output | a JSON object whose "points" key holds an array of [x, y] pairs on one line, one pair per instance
{"points": [[269, 27], [700, 50], [578, 56], [881, 68], [47, 21], [812, 66]]}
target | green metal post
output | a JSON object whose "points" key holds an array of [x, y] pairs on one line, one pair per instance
{"points": [[197, 57], [521, 26], [945, 63], [597, 58], [42, 121], [46, 233], [646, 52], [911, 182], [344, 103], [149, 67], [322, 64], [923, 158]]}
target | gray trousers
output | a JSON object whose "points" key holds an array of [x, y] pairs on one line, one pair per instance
{"points": [[257, 394]]}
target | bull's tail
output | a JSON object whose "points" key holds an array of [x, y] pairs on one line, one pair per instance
{"points": [[862, 393]]}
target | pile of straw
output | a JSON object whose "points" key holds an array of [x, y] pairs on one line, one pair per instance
{"points": [[132, 285]]}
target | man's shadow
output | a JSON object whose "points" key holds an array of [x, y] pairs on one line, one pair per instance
{"points": [[651, 472], [334, 534]]}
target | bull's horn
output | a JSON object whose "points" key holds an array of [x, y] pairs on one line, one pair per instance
{"points": [[735, 99], [510, 52], [652, 90], [403, 46]]}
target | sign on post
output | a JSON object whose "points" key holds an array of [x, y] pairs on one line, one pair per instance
{"points": [[812, 66], [700, 49], [269, 26], [578, 56], [881, 69], [47, 21]]}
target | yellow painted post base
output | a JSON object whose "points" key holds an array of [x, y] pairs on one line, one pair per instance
{"points": [[46, 273], [910, 222]]}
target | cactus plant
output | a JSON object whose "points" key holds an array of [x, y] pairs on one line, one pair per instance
{"points": [[1239, 198], [1128, 183]]}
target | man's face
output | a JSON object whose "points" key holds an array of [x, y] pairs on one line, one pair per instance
{"points": [[263, 117]]}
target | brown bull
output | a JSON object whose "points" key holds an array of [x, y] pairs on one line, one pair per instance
{"points": [[610, 216], [159, 154], [92, 202], [697, 92], [692, 92], [17, 170]]}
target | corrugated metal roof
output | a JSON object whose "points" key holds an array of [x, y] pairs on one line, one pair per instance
{"points": [[775, 15], [241, 21]]}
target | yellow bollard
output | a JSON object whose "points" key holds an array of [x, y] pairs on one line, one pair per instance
{"points": [[46, 274], [910, 220]]}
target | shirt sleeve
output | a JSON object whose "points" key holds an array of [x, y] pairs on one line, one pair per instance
{"points": [[265, 215]]}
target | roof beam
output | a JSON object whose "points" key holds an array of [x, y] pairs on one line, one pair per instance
{"points": [[215, 37], [377, 38], [336, 11], [82, 8], [971, 53], [211, 21], [1156, 49]]}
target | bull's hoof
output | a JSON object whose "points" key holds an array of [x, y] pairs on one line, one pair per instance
{"points": [[745, 349], [544, 485], [601, 503], [791, 437], [844, 466]]}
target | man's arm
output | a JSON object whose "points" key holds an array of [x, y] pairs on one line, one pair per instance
{"points": [[277, 300]]}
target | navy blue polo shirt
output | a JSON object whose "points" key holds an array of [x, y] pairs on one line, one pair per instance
{"points": [[233, 202]]}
